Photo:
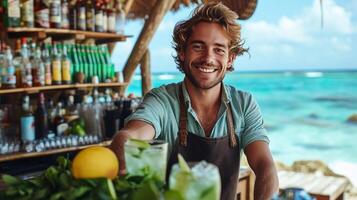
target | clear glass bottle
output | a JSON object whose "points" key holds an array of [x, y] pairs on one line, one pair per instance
{"points": [[8, 75], [38, 69], [26, 74], [120, 18]]}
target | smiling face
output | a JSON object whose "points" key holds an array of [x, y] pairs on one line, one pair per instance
{"points": [[206, 57]]}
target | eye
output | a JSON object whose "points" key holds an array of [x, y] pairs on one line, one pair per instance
{"points": [[220, 51], [197, 47]]}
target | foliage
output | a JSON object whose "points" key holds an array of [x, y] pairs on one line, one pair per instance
{"points": [[57, 183]]}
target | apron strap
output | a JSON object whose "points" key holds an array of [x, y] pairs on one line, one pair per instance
{"points": [[230, 126], [182, 121]]}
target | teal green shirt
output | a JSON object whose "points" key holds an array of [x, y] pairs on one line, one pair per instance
{"points": [[161, 109]]}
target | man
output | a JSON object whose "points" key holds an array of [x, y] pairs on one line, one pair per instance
{"points": [[201, 118]]}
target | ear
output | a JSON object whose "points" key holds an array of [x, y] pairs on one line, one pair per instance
{"points": [[231, 59]]}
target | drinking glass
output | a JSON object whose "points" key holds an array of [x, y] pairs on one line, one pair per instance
{"points": [[142, 160]]}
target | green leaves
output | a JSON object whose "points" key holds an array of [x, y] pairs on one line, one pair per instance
{"points": [[57, 183]]}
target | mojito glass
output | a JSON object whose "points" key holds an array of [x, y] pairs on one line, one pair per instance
{"points": [[146, 158], [201, 182]]}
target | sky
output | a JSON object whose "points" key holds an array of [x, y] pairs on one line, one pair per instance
{"points": [[281, 35]]}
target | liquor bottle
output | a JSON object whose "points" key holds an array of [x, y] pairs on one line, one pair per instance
{"points": [[55, 14], [42, 13], [56, 66], [11, 13], [41, 118], [120, 18], [27, 14], [27, 121], [17, 63], [38, 69], [26, 65], [66, 67], [90, 16], [98, 17], [65, 14], [59, 124], [81, 13], [73, 14], [8, 78], [105, 18], [111, 17], [47, 63]]}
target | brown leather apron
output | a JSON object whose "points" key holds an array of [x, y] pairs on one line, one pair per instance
{"points": [[224, 152]]}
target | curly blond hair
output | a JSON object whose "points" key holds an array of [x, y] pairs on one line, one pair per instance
{"points": [[209, 12]]}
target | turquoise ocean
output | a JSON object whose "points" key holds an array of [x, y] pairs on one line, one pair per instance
{"points": [[305, 113]]}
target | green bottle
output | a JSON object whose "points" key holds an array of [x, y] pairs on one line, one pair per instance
{"points": [[11, 15]]}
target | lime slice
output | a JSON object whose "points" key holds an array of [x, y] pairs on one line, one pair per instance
{"points": [[142, 144], [183, 164], [111, 189]]}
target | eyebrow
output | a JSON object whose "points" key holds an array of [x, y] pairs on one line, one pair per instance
{"points": [[201, 42]]}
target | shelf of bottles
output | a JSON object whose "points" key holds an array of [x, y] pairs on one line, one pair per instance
{"points": [[34, 67], [43, 127], [102, 20], [62, 34], [31, 90], [63, 149]]}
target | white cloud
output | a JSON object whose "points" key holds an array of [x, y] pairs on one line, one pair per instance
{"points": [[336, 18], [302, 28], [269, 50], [341, 44]]}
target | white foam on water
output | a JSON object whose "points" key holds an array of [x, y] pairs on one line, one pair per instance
{"points": [[347, 169], [166, 77], [313, 74], [137, 77]]}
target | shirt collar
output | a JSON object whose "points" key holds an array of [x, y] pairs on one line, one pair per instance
{"points": [[226, 96]]}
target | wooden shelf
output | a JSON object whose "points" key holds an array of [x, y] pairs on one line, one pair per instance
{"points": [[22, 155], [59, 87], [61, 34]]}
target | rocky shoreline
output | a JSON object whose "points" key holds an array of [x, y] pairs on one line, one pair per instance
{"points": [[317, 167]]}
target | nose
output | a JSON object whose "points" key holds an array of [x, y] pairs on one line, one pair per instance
{"points": [[208, 56]]}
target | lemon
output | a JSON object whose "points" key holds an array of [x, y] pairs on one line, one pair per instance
{"points": [[95, 162]]}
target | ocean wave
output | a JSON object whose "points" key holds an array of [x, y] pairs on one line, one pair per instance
{"points": [[166, 77], [137, 78], [313, 74]]}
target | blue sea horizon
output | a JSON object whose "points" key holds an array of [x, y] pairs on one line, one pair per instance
{"points": [[305, 112]]}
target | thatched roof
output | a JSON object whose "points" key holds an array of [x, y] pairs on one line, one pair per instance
{"points": [[142, 8]]}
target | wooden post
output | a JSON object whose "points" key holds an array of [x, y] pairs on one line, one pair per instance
{"points": [[145, 73], [141, 45]]}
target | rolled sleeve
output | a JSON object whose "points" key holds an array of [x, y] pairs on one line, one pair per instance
{"points": [[151, 111], [254, 124]]}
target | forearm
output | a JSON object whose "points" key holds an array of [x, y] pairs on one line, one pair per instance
{"points": [[117, 146], [266, 183]]}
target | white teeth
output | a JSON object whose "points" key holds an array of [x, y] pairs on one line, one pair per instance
{"points": [[206, 70]]}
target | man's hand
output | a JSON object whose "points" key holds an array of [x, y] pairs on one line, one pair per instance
{"points": [[261, 161], [134, 129]]}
